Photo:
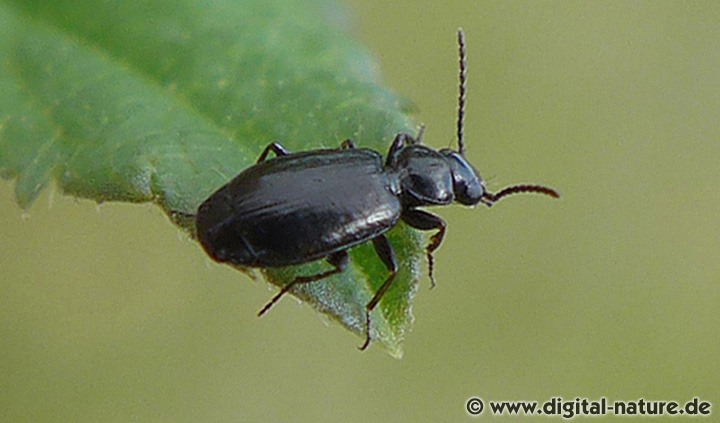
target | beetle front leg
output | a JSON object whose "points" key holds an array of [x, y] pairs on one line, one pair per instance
{"points": [[386, 253], [338, 260], [276, 148], [401, 140], [425, 221], [419, 136]]}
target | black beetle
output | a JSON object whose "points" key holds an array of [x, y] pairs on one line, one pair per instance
{"points": [[300, 207]]}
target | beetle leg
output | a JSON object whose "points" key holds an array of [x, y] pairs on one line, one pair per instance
{"points": [[174, 214], [401, 140], [425, 221], [348, 144], [386, 253], [182, 218], [419, 137], [276, 148], [338, 260]]}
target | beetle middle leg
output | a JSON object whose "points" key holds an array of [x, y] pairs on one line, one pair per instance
{"points": [[425, 221], [386, 253], [338, 260], [276, 148]]}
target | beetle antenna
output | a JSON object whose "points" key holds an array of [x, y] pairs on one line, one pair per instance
{"points": [[463, 90], [491, 198]]}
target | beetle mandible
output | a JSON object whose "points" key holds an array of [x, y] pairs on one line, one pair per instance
{"points": [[301, 207]]}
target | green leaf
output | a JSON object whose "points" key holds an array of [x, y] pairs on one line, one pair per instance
{"points": [[165, 100]]}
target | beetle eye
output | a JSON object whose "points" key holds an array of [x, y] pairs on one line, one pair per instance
{"points": [[469, 193]]}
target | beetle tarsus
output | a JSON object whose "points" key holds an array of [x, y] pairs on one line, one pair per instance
{"points": [[421, 133], [366, 344], [276, 298], [276, 148], [181, 214], [348, 144], [339, 261], [386, 253], [431, 268]]}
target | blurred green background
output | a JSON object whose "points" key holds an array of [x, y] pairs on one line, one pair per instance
{"points": [[109, 313]]}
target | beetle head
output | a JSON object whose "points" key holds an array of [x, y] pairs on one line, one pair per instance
{"points": [[468, 186]]}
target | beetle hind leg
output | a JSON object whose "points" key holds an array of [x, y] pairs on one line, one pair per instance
{"points": [[338, 260], [386, 253]]}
